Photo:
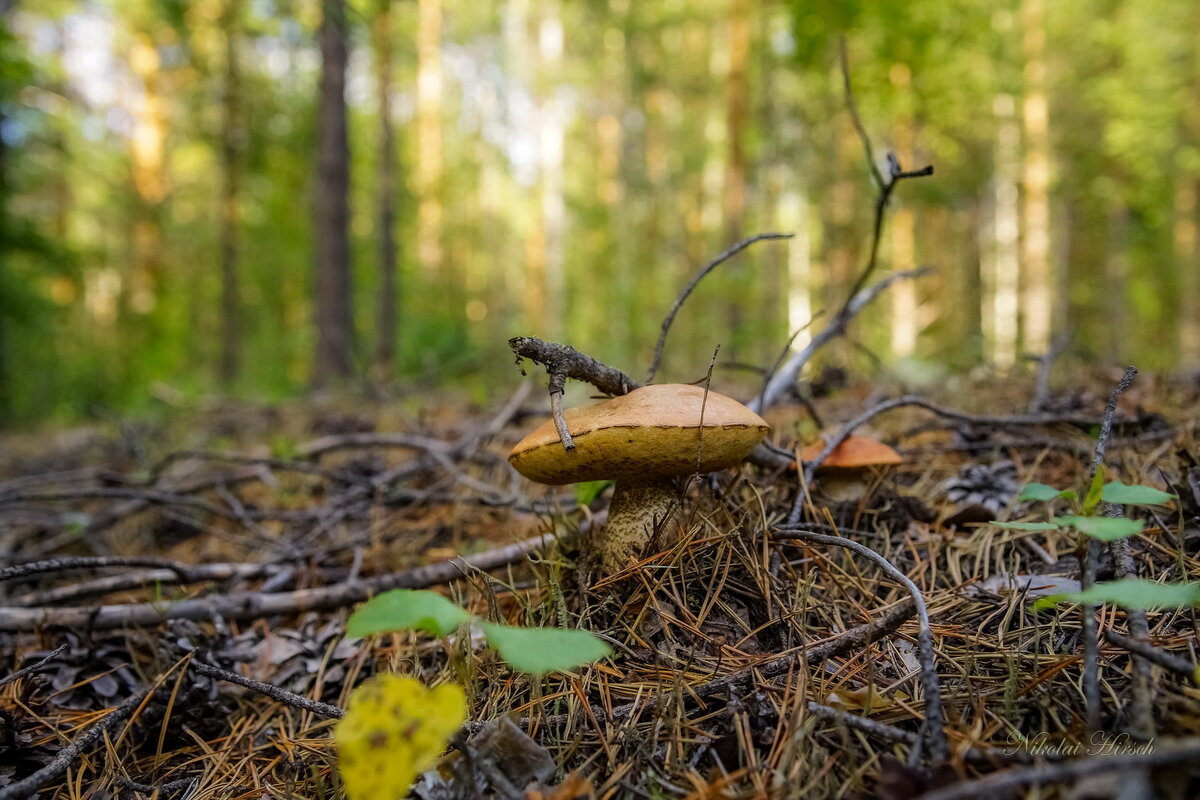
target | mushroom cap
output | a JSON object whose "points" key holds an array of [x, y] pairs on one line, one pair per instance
{"points": [[652, 433], [855, 451]]}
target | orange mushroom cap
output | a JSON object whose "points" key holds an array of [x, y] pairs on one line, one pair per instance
{"points": [[856, 451]]}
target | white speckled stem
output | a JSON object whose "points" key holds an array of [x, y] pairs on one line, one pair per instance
{"points": [[637, 509]]}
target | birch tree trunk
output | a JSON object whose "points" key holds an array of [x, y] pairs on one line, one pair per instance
{"points": [[1001, 288], [429, 137], [1037, 302]]}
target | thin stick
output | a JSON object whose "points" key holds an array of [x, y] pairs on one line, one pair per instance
{"points": [[1110, 414], [786, 376], [852, 107], [934, 732], [856, 637], [999, 783], [557, 386], [687, 290], [255, 605], [1168, 661], [859, 295], [26, 788], [1041, 385], [1088, 568], [32, 668], [573, 364], [270, 690], [84, 562]]}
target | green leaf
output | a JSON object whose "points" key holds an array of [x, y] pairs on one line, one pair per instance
{"points": [[588, 491], [1094, 491], [1026, 526], [1104, 528], [1135, 495], [539, 650], [1040, 491], [1131, 593], [406, 609]]}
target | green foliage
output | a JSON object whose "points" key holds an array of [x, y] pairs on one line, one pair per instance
{"points": [[1134, 593], [1117, 492], [636, 219], [1027, 526], [541, 650], [1040, 491], [1128, 592], [532, 650], [402, 609], [1092, 498], [587, 491], [1103, 528]]}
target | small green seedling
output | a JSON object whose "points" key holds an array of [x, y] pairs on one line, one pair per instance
{"points": [[1129, 592], [532, 650], [394, 727]]}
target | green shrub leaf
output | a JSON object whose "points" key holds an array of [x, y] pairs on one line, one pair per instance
{"points": [[1093, 496], [1104, 528], [1135, 495], [588, 491], [406, 609], [540, 650], [1040, 491], [1131, 593], [1027, 526]]}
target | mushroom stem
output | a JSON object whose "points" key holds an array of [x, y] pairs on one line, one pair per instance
{"points": [[637, 507]]}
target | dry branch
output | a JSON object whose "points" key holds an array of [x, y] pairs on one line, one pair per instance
{"points": [[254, 605]]}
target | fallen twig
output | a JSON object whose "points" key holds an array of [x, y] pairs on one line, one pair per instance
{"points": [[97, 562], [253, 605], [1152, 654], [1088, 567], [860, 295], [998, 783], [1041, 386], [687, 290], [934, 733], [27, 787], [32, 668], [270, 690]]}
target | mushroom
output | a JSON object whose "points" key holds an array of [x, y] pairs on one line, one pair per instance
{"points": [[843, 470], [643, 441]]}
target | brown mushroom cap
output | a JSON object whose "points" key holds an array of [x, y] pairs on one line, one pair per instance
{"points": [[855, 451], [652, 433]]}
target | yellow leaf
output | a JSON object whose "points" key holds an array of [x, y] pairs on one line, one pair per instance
{"points": [[394, 729]]}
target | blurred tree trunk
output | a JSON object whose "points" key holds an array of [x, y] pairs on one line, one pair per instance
{"points": [[389, 288], [1187, 263], [905, 325], [334, 318], [429, 137], [964, 226], [1001, 289], [734, 197], [551, 138], [6, 400], [1114, 300], [1037, 302], [229, 364], [1187, 221], [148, 154]]}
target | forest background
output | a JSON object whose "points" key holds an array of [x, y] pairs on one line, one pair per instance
{"points": [[172, 177]]}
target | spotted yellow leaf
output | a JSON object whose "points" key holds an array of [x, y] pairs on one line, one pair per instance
{"points": [[394, 729]]}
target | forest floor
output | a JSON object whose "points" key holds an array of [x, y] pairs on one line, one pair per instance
{"points": [[750, 659]]}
